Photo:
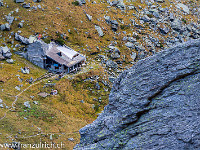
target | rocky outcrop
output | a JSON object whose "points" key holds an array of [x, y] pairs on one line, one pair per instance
{"points": [[5, 26], [19, 1], [21, 39], [153, 105], [1, 3], [99, 30], [5, 53], [35, 53]]}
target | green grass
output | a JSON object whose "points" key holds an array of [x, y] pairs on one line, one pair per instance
{"points": [[36, 112]]}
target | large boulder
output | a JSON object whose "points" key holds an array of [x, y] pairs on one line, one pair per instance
{"points": [[25, 5], [130, 45], [37, 1], [5, 27], [153, 105], [10, 61], [1, 3], [2, 27], [10, 19], [6, 52], [99, 30], [36, 52], [163, 29], [1, 54], [19, 1], [176, 25], [114, 25], [81, 2], [115, 52], [21, 39], [183, 7], [160, 1], [107, 19], [111, 64], [89, 17]]}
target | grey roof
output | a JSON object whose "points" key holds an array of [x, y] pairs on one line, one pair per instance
{"points": [[66, 57]]}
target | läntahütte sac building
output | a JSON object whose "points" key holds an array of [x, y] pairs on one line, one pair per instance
{"points": [[55, 58]]}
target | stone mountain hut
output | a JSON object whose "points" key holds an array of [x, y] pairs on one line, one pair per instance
{"points": [[58, 59]]}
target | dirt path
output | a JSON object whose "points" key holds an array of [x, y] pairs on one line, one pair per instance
{"points": [[84, 70], [16, 97]]}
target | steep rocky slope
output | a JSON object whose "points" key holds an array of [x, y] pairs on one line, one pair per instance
{"points": [[153, 105]]}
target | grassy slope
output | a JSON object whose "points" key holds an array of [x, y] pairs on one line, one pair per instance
{"points": [[68, 113], [61, 115]]}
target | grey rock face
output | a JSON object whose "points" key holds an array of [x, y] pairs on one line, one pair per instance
{"points": [[156, 14], [2, 57], [153, 105], [139, 48], [114, 3], [39, 6], [17, 88], [115, 52], [171, 17], [25, 70], [117, 4], [115, 55], [133, 56], [1, 106]]}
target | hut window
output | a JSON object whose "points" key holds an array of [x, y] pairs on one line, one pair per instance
{"points": [[59, 53]]}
